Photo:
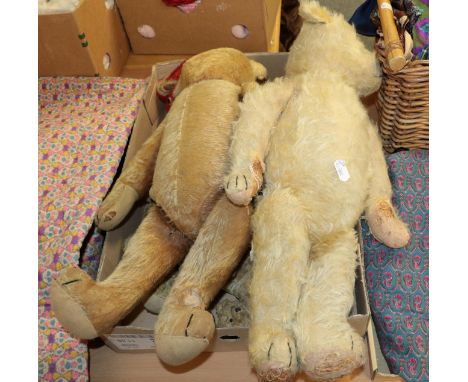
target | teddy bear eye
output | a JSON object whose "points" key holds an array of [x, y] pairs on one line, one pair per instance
{"points": [[261, 80]]}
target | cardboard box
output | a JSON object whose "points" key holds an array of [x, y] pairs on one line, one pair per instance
{"points": [[378, 366], [207, 27], [135, 334], [80, 43]]}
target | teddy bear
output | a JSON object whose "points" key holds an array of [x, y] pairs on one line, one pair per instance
{"points": [[307, 140], [181, 166]]}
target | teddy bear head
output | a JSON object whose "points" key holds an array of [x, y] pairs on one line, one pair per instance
{"points": [[327, 43], [222, 64]]}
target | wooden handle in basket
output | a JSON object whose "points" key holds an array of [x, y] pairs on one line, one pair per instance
{"points": [[395, 56]]}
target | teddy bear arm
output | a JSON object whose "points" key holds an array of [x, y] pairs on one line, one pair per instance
{"points": [[139, 172], [133, 184], [381, 215], [259, 114]]}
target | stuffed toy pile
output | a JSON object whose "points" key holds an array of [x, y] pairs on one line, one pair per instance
{"points": [[182, 168], [308, 139]]}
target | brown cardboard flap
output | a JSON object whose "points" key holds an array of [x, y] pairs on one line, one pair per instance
{"points": [[104, 34], [360, 314], [378, 367], [150, 98], [207, 27], [58, 43], [75, 43]]}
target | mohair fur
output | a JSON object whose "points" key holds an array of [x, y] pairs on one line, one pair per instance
{"points": [[304, 243], [181, 166]]}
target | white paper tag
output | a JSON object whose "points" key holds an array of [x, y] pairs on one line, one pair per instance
{"points": [[132, 341], [386, 6], [343, 173]]}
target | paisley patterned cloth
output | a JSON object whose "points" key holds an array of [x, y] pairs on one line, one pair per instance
{"points": [[84, 125], [398, 279]]}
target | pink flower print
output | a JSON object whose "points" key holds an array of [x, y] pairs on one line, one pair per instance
{"points": [[398, 301], [426, 201], [410, 201], [378, 300], [380, 257], [370, 279], [426, 281], [399, 259], [393, 164], [412, 365], [418, 184], [426, 168], [426, 241], [419, 343], [426, 324], [399, 341], [388, 322], [418, 220], [409, 167], [408, 280], [418, 303], [408, 321], [388, 279], [417, 262], [400, 181]]}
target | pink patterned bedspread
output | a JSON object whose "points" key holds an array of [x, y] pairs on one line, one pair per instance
{"points": [[84, 125]]}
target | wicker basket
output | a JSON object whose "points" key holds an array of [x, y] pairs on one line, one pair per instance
{"points": [[403, 104]]}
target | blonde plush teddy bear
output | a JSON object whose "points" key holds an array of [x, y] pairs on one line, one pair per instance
{"points": [[181, 167], [308, 139]]}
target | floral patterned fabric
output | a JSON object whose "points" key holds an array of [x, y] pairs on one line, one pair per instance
{"points": [[398, 279], [84, 125], [421, 35]]}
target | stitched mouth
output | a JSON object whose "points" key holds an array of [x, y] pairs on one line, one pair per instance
{"points": [[188, 324]]}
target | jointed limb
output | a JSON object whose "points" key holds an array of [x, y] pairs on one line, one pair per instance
{"points": [[383, 220], [328, 346], [260, 111], [133, 184], [184, 327], [281, 250], [88, 309]]}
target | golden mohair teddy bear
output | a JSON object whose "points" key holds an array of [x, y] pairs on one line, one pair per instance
{"points": [[308, 139], [181, 167]]}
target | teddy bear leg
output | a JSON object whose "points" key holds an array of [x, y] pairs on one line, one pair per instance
{"points": [[133, 184], [281, 248], [383, 220], [184, 328], [88, 309], [328, 346]]}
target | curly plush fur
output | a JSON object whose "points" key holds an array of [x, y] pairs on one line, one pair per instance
{"points": [[324, 166]]}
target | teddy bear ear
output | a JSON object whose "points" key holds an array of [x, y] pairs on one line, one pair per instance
{"points": [[314, 13], [259, 71]]}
